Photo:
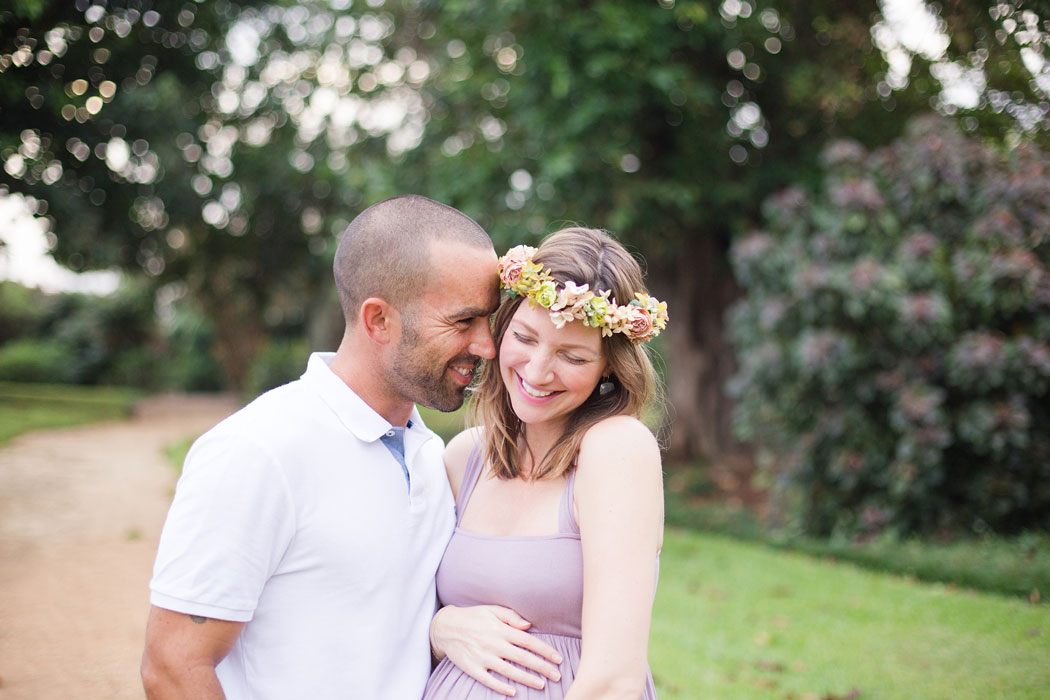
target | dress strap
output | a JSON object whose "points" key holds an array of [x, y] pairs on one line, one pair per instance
{"points": [[566, 519], [471, 473]]}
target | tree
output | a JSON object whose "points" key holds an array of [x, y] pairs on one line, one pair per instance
{"points": [[174, 139], [665, 122], [668, 123]]}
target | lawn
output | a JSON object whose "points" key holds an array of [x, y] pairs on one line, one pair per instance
{"points": [[742, 620], [25, 406]]}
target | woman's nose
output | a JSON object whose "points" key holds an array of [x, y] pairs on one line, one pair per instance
{"points": [[538, 369]]}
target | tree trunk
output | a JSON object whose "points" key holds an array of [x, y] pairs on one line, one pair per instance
{"points": [[698, 286], [239, 335]]}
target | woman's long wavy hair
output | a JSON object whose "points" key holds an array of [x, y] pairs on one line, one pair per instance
{"points": [[584, 256]]}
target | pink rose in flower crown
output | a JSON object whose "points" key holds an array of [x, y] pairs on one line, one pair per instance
{"points": [[512, 265], [639, 324]]}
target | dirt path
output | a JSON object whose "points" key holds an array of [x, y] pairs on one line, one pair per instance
{"points": [[81, 510]]}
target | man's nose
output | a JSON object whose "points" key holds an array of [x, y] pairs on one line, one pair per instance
{"points": [[482, 345]]}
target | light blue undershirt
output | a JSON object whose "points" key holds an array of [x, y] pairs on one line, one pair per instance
{"points": [[394, 440]]}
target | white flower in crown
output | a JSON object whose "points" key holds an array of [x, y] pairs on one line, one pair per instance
{"points": [[570, 295], [615, 320]]}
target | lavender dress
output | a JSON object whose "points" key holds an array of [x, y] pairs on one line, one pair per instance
{"points": [[540, 577]]}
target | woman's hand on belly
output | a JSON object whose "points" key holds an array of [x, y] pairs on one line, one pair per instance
{"points": [[485, 638]]}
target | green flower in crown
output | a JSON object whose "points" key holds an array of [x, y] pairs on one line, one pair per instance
{"points": [[595, 311], [545, 294]]}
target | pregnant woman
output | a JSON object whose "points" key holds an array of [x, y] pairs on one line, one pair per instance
{"points": [[559, 493]]}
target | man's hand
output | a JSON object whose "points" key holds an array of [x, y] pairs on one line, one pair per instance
{"points": [[487, 638], [181, 654]]}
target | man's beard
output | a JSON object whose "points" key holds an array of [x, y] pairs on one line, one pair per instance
{"points": [[423, 379]]}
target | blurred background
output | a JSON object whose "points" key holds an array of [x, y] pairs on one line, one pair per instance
{"points": [[845, 205]]}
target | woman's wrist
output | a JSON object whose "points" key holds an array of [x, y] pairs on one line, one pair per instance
{"points": [[436, 650]]}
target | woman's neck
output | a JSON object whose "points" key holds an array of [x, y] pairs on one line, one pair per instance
{"points": [[539, 440]]}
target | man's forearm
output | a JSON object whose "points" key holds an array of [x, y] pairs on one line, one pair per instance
{"points": [[190, 684]]}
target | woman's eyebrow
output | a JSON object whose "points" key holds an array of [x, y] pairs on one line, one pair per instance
{"points": [[563, 346]]}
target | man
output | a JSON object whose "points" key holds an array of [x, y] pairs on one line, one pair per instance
{"points": [[299, 554]]}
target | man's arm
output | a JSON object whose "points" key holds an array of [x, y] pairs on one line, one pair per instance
{"points": [[181, 654]]}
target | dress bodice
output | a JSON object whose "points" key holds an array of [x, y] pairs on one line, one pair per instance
{"points": [[538, 576]]}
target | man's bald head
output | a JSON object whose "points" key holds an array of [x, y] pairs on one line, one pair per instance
{"points": [[386, 250]]}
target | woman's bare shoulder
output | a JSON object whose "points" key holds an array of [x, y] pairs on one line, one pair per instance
{"points": [[618, 433]]}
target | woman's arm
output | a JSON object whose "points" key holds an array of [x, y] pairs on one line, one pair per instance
{"points": [[619, 505]]}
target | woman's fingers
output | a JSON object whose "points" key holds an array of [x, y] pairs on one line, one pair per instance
{"points": [[508, 616], [538, 647], [481, 675], [518, 675]]}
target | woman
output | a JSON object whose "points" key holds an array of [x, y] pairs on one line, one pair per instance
{"points": [[559, 494]]}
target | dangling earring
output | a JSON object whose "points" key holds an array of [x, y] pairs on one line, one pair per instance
{"points": [[606, 387]]}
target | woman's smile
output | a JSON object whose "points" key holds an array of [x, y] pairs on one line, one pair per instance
{"points": [[535, 393]]}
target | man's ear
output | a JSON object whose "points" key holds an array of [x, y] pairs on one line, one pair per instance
{"points": [[380, 320]]}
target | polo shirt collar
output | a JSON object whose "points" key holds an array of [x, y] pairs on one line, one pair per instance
{"points": [[351, 410]]}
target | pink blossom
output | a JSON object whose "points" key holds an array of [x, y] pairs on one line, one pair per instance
{"points": [[511, 272], [639, 323]]}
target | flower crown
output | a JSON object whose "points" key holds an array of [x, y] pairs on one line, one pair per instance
{"points": [[641, 319]]}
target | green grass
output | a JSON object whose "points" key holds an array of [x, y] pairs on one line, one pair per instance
{"points": [[25, 406], [176, 452], [1018, 566], [740, 620]]}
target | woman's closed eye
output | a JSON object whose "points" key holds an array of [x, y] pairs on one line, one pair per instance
{"points": [[523, 338]]}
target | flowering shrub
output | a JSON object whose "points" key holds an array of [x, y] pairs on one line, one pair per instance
{"points": [[894, 341]]}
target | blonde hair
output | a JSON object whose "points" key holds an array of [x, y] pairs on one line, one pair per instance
{"points": [[584, 256]]}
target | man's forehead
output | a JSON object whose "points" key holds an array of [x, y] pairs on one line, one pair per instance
{"points": [[464, 292]]}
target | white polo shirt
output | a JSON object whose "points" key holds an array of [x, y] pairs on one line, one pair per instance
{"points": [[292, 516]]}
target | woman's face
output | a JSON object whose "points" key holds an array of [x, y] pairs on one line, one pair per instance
{"points": [[548, 372]]}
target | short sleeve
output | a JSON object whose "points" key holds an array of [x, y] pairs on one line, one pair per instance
{"points": [[230, 523]]}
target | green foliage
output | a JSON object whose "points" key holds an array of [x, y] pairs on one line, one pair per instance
{"points": [[115, 122], [80, 338], [447, 425], [894, 345], [20, 311], [280, 361], [25, 407], [191, 365], [633, 117], [33, 360], [224, 145], [737, 620]]}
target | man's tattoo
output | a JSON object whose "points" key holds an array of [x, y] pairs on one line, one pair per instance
{"points": [[198, 619]]}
